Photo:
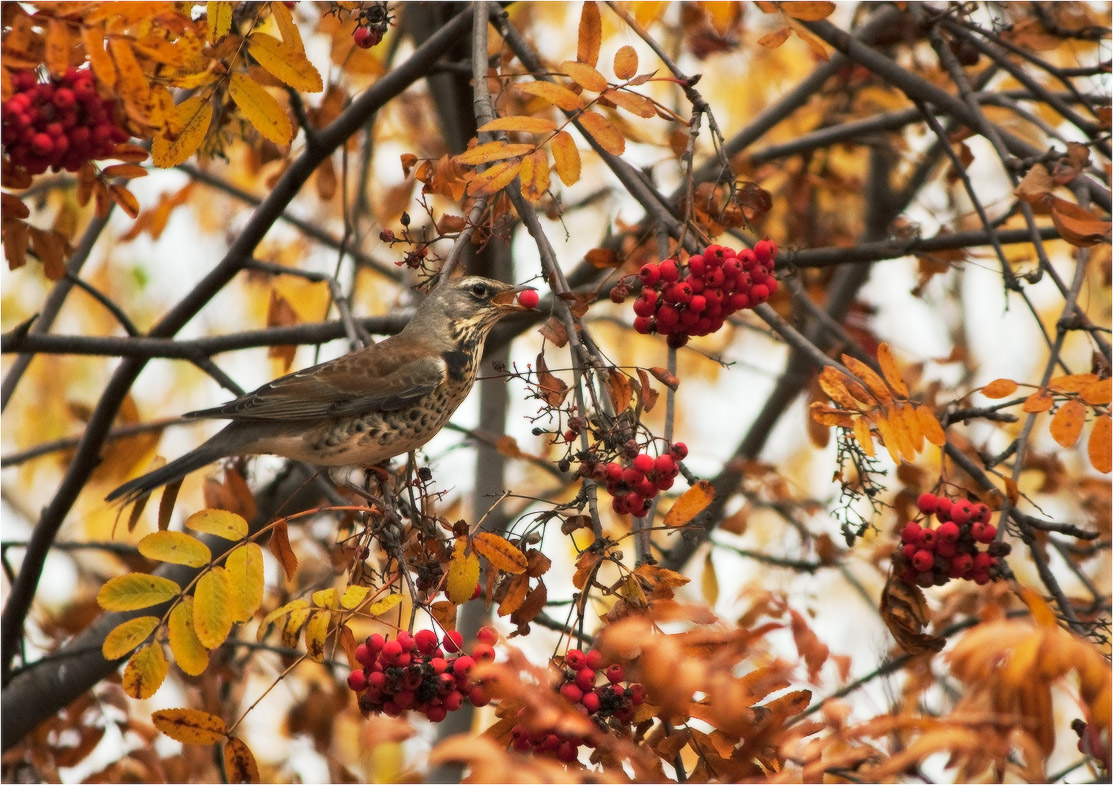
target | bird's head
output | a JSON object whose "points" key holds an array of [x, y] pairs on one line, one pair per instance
{"points": [[470, 306]]}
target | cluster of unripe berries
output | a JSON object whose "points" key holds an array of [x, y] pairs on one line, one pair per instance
{"points": [[633, 486], [932, 556], [420, 672], [59, 124], [679, 301], [610, 697]]}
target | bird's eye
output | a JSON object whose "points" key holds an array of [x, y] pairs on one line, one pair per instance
{"points": [[478, 289]]}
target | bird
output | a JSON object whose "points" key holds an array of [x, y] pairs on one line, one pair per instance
{"points": [[364, 407]]}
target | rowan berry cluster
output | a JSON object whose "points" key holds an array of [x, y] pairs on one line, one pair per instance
{"points": [[932, 556], [633, 486], [59, 124], [373, 22], [420, 672], [610, 697], [679, 301]]}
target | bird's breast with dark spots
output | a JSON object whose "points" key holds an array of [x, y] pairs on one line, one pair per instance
{"points": [[457, 364]]}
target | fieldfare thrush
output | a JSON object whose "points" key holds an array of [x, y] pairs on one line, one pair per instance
{"points": [[367, 406]]}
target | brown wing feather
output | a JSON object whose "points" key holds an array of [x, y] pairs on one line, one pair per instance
{"points": [[383, 377]]}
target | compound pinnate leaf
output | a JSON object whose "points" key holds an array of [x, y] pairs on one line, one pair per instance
{"points": [[190, 726], [124, 637], [175, 548], [135, 591], [145, 672], [189, 653], [212, 608]]}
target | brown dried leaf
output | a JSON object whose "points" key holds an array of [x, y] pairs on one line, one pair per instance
{"points": [[904, 612], [239, 762], [603, 258], [664, 377], [618, 385], [281, 550], [502, 554], [1035, 186], [553, 389], [808, 11], [1077, 225]]}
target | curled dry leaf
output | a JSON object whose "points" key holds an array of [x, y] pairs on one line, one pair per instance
{"points": [[904, 612]]}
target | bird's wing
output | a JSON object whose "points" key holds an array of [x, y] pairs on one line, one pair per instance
{"points": [[365, 381]]}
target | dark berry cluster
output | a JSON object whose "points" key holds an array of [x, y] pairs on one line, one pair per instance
{"points": [[633, 486], [679, 301], [59, 124], [611, 697], [932, 556], [420, 672]]}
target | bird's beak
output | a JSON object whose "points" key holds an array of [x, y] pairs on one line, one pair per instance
{"points": [[509, 299]]}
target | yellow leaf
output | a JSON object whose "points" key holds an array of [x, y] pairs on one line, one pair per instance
{"points": [[284, 62], [92, 36], [245, 578], [131, 82], [136, 590], [690, 504], [58, 44], [889, 368], [586, 76], [316, 632], [295, 620], [500, 552], [193, 116], [1039, 401], [521, 123], [493, 151], [278, 613], [189, 653], [912, 427], [219, 15], [864, 435], [175, 548], [1097, 393], [633, 103], [239, 762], [1066, 424], [494, 178], [556, 94], [353, 596], [260, 108], [709, 582], [122, 638], [534, 172], [1099, 446], [874, 382], [212, 608], [603, 132], [190, 726], [145, 672], [221, 523], [326, 598], [291, 36], [625, 62], [463, 574], [999, 388], [930, 426], [566, 158], [387, 603], [888, 438], [590, 34], [808, 11]]}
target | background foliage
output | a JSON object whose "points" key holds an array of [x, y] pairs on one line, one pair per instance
{"points": [[251, 177]]}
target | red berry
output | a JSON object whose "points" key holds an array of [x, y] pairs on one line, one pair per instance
{"points": [[926, 503], [984, 533], [585, 679], [364, 655], [679, 451], [42, 144], [765, 251], [962, 512], [943, 508], [571, 692], [981, 513], [643, 306], [436, 713], [665, 481], [647, 489], [488, 635], [615, 673], [529, 298], [945, 549], [909, 549], [698, 303], [665, 464], [643, 463], [392, 650], [478, 696], [927, 539], [668, 271], [759, 293], [483, 652], [593, 658], [618, 294], [650, 274], [453, 641], [910, 533], [697, 264], [923, 560], [357, 681], [405, 640], [366, 37], [575, 659], [949, 531], [567, 751], [643, 325], [462, 665], [591, 702]]}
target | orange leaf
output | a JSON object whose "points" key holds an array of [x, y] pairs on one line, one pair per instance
{"points": [[145, 672], [621, 392], [912, 426], [463, 574], [894, 415], [625, 62], [586, 76], [193, 116], [1071, 382], [889, 368], [175, 548], [283, 17], [1099, 446], [864, 435], [535, 175], [930, 426], [603, 258], [1066, 423], [826, 415], [690, 504], [522, 123], [888, 438], [1039, 401], [556, 94], [1097, 393], [129, 171], [589, 35], [500, 552], [833, 382], [260, 108], [515, 595], [219, 17], [190, 726], [566, 158], [239, 763], [808, 11], [494, 178], [92, 36], [1077, 225], [632, 102], [280, 548], [867, 375], [59, 41], [775, 38], [999, 388], [131, 84], [603, 132], [125, 199], [493, 151], [1036, 185]]}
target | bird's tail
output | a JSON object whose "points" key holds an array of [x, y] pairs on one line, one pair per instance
{"points": [[132, 490]]}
